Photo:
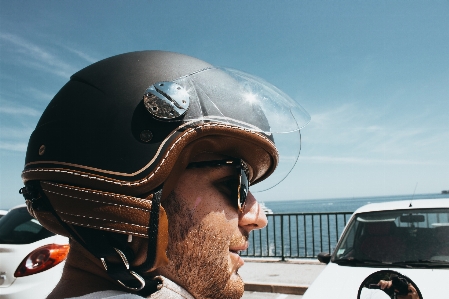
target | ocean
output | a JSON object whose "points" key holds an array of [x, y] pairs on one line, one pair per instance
{"points": [[339, 204], [304, 236]]}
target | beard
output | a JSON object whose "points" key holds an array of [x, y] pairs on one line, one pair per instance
{"points": [[198, 251]]}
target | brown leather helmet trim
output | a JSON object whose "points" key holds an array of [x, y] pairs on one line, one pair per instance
{"points": [[103, 211], [100, 210], [59, 195], [245, 140], [95, 209]]}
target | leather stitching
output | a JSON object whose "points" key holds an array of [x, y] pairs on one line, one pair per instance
{"points": [[142, 181], [102, 219], [107, 228], [97, 193]]}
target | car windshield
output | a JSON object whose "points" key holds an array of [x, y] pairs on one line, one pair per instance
{"points": [[410, 237], [18, 227]]}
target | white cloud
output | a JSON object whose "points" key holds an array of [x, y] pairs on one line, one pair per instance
{"points": [[12, 146], [14, 138], [362, 161], [19, 111], [333, 117], [39, 94], [81, 54], [369, 133], [37, 57]]}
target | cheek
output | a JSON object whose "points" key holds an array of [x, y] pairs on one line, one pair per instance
{"points": [[195, 204], [219, 220], [200, 198], [220, 227], [211, 200]]}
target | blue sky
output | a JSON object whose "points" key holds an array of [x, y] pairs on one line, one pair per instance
{"points": [[374, 76]]}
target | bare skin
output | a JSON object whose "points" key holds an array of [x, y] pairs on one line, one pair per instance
{"points": [[206, 233]]}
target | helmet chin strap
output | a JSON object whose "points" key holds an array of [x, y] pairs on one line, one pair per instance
{"points": [[104, 245], [153, 228]]}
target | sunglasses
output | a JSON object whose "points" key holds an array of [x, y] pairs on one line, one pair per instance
{"points": [[243, 186]]}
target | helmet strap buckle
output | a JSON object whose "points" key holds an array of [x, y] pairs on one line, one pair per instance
{"points": [[121, 272], [33, 194]]}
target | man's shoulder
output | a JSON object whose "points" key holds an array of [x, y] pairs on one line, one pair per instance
{"points": [[166, 289], [109, 294], [169, 289]]}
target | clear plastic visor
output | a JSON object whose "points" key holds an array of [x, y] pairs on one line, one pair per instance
{"points": [[233, 97]]}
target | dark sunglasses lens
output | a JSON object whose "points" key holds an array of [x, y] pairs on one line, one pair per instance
{"points": [[244, 186]]}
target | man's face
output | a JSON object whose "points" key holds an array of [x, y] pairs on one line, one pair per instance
{"points": [[207, 232]]}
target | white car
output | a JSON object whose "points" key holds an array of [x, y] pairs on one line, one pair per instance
{"points": [[403, 243], [31, 257]]}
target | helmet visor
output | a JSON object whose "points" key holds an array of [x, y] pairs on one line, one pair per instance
{"points": [[233, 97]]}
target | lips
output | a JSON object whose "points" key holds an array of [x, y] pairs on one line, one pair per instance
{"points": [[238, 248], [235, 256]]}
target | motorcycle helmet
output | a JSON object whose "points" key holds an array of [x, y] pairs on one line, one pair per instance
{"points": [[111, 144]]}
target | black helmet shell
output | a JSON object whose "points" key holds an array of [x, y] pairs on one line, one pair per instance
{"points": [[98, 118]]}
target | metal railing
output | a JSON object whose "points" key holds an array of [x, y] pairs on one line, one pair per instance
{"points": [[297, 235]]}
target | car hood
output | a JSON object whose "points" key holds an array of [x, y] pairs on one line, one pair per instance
{"points": [[337, 281]]}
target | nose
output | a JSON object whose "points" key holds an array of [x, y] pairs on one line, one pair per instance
{"points": [[252, 217]]}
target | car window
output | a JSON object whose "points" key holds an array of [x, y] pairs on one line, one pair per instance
{"points": [[397, 236], [18, 227]]}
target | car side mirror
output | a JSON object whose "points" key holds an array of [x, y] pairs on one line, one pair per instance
{"points": [[324, 257]]}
